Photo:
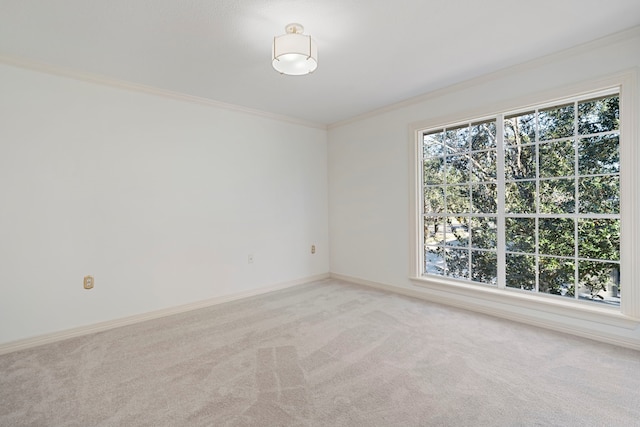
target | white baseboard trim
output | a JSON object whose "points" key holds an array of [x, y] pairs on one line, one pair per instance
{"points": [[130, 320], [424, 294]]}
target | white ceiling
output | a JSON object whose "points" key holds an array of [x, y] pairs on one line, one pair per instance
{"points": [[372, 53]]}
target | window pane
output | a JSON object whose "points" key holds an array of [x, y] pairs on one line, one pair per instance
{"points": [[483, 135], [457, 230], [556, 159], [521, 271], [457, 139], [484, 267], [520, 234], [556, 236], [599, 194], [457, 263], [457, 169], [599, 155], [434, 230], [458, 200], [520, 129], [433, 199], [557, 276], [483, 166], [433, 171], [599, 239], [434, 260], [484, 233], [520, 197], [599, 281], [598, 115], [557, 196], [433, 144], [556, 122], [484, 197], [520, 162]]}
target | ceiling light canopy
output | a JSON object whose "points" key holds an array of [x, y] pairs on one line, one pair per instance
{"points": [[294, 53]]}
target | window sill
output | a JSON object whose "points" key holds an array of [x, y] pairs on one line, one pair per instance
{"points": [[584, 311]]}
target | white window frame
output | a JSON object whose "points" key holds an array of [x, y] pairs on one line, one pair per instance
{"points": [[463, 293]]}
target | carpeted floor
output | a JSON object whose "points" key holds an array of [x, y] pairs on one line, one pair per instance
{"points": [[322, 354]]}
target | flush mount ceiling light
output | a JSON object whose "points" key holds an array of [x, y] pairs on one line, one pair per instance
{"points": [[294, 53]]}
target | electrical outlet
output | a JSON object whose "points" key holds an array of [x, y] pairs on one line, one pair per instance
{"points": [[88, 282], [250, 258], [313, 249]]}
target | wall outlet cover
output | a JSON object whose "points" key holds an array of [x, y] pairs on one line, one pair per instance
{"points": [[88, 282]]}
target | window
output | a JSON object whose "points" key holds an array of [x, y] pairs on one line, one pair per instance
{"points": [[526, 200]]}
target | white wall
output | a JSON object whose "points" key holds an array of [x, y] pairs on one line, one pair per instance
{"points": [[161, 200], [369, 164]]}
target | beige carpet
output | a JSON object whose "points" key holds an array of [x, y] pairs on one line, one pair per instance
{"points": [[322, 354]]}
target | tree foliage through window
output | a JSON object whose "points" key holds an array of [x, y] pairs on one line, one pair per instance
{"points": [[557, 198]]}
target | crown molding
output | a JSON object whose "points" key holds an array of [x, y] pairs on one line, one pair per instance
{"points": [[150, 90], [496, 75]]}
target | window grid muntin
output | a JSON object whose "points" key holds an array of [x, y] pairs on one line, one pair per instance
{"points": [[576, 140], [463, 151]]}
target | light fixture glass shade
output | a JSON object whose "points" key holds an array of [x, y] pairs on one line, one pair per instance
{"points": [[294, 53]]}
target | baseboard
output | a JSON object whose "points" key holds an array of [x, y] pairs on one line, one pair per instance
{"points": [[130, 320], [492, 311]]}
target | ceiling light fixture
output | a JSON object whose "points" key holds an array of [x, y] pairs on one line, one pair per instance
{"points": [[294, 53]]}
